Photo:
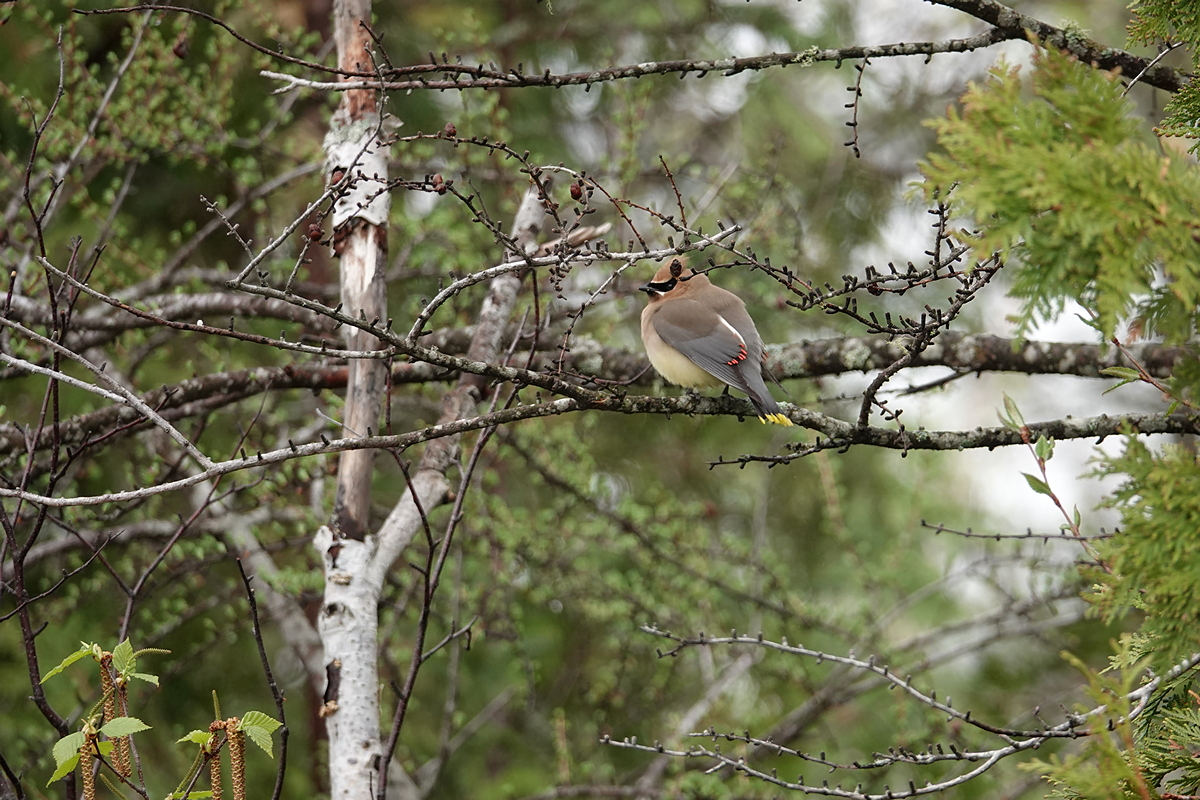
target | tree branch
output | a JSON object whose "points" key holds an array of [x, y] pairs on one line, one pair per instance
{"points": [[464, 76], [839, 435], [1015, 25], [1007, 23]]}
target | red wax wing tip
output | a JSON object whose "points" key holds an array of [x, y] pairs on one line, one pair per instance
{"points": [[739, 357]]}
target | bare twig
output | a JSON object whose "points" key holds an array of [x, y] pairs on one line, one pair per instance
{"points": [[276, 693]]}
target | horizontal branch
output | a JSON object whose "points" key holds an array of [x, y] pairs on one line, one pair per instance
{"points": [[399, 442], [738, 764], [1070, 728], [842, 435], [1018, 25], [212, 391], [1007, 24], [479, 77], [975, 353], [838, 433], [963, 352], [99, 323], [604, 790], [968, 352]]}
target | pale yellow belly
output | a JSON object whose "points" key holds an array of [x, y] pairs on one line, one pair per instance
{"points": [[677, 368]]}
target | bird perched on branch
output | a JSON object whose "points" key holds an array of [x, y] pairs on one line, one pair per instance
{"points": [[699, 335]]}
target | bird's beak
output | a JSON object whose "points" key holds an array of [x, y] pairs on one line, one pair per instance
{"points": [[658, 287]]}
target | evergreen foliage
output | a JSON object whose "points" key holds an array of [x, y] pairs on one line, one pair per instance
{"points": [[1058, 179], [1060, 183], [1172, 23], [1154, 566], [1170, 755]]}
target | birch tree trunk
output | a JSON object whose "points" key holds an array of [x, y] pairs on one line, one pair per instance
{"points": [[356, 562], [355, 571], [347, 622], [355, 153]]}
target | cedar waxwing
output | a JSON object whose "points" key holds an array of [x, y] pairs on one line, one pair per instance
{"points": [[697, 334]]}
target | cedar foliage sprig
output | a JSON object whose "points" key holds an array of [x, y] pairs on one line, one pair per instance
{"points": [[1102, 768], [1171, 23], [1060, 182], [1156, 560]]}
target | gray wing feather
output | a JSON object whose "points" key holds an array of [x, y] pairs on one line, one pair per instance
{"points": [[697, 331], [700, 334]]}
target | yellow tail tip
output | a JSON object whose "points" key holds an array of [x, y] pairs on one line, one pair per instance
{"points": [[778, 419]]}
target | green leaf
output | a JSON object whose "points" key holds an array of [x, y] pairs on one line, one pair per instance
{"points": [[191, 795], [84, 650], [67, 746], [1017, 155], [258, 728], [261, 737], [1043, 448], [124, 726], [1154, 561], [65, 768], [1126, 375], [123, 658], [1011, 417], [1116, 386], [259, 720], [142, 676], [1038, 485], [196, 737]]}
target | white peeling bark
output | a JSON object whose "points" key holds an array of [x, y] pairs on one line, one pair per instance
{"points": [[352, 146], [348, 625], [354, 153]]}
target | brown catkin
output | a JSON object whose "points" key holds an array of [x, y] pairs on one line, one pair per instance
{"points": [[89, 775], [214, 775], [237, 758], [121, 759], [114, 707], [122, 756], [107, 688]]}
